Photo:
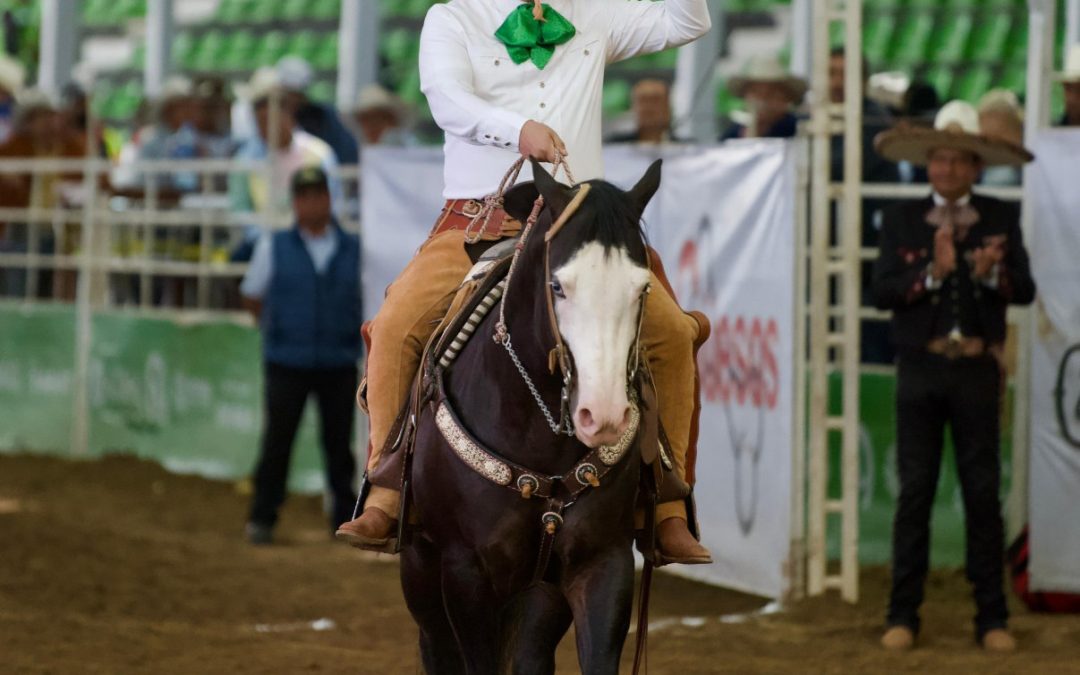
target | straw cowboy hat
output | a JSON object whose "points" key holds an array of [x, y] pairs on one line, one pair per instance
{"points": [[767, 69], [1072, 65], [30, 101], [376, 97], [956, 127], [12, 74], [176, 87], [264, 82]]}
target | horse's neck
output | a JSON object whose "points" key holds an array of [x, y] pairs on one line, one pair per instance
{"points": [[492, 398]]}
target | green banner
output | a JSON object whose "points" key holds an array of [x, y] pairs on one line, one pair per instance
{"points": [[187, 396]]}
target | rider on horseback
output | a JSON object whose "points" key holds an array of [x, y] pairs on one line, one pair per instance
{"points": [[499, 85]]}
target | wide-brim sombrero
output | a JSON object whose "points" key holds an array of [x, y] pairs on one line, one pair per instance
{"points": [[955, 127], [767, 69]]}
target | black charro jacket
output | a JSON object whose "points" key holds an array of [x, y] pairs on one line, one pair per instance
{"points": [[900, 273]]}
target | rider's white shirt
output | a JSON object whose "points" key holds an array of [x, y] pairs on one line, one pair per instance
{"points": [[481, 98]]}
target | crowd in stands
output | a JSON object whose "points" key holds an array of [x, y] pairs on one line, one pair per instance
{"points": [[272, 117]]}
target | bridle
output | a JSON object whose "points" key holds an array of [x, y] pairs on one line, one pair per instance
{"points": [[560, 354]]}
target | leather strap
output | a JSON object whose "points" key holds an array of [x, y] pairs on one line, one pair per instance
{"points": [[462, 214]]}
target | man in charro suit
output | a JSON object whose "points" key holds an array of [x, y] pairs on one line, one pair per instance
{"points": [[948, 267]]}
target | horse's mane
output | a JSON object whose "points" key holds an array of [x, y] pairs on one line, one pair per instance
{"points": [[613, 220]]}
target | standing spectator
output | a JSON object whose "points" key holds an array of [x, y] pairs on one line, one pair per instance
{"points": [[1001, 117], [652, 111], [12, 76], [303, 285], [318, 119], [212, 105], [770, 93], [382, 117], [174, 135], [35, 136], [1070, 82], [948, 267], [267, 191]]}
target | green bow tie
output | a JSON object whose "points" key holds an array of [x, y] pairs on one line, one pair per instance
{"points": [[528, 39]]}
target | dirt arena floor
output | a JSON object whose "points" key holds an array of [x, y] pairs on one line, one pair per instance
{"points": [[116, 566]]}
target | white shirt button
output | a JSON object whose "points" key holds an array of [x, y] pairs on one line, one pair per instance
{"points": [[542, 85], [543, 105]]}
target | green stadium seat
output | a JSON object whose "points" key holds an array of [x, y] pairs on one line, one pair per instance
{"points": [[99, 12], [294, 10], [941, 79], [233, 11], [616, 96], [322, 91], [272, 47], [726, 102], [882, 5], [182, 50], [911, 40], [305, 44], [399, 44], [239, 51], [877, 32], [948, 42], [667, 58], [975, 82], [989, 40], [1014, 78], [325, 10], [326, 54], [207, 54], [409, 88]]}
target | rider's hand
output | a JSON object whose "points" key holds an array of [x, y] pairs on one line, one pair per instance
{"points": [[540, 142]]}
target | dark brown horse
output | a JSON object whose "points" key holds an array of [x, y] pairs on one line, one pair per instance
{"points": [[491, 589]]}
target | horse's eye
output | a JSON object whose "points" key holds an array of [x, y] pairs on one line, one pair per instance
{"points": [[556, 288]]}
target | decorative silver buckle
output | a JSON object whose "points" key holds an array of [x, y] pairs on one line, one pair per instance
{"points": [[587, 474], [527, 484], [551, 521]]}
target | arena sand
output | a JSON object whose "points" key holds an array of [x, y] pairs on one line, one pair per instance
{"points": [[115, 566]]}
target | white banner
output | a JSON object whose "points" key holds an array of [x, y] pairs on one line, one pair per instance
{"points": [[1054, 481], [724, 224]]}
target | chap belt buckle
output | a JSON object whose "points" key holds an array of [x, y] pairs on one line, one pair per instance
{"points": [[954, 348]]}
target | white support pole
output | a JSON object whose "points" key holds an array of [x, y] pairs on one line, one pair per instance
{"points": [[58, 49], [851, 243], [358, 50], [819, 321], [796, 574], [159, 39], [693, 96], [801, 43], [80, 425], [1041, 34], [1072, 23]]}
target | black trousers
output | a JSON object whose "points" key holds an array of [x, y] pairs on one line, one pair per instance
{"points": [[933, 391], [286, 392]]}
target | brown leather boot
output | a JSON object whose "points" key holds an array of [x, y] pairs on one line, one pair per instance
{"points": [[372, 528], [675, 544]]}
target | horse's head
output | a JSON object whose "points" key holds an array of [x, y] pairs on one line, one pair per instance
{"points": [[598, 279]]}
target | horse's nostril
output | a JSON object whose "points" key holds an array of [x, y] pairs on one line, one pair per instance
{"points": [[585, 418], [626, 418]]}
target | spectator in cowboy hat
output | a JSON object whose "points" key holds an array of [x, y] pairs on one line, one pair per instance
{"points": [[12, 75], [382, 117], [174, 135], [1001, 117], [770, 93], [318, 119], [652, 112], [948, 267], [268, 192], [1070, 82]]}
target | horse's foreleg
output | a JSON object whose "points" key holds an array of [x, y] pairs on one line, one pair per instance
{"points": [[536, 624], [472, 608], [600, 593], [422, 584]]}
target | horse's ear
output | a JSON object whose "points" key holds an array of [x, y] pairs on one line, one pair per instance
{"points": [[518, 201], [641, 193], [556, 195]]}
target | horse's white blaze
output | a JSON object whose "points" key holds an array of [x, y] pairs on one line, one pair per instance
{"points": [[598, 321]]}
